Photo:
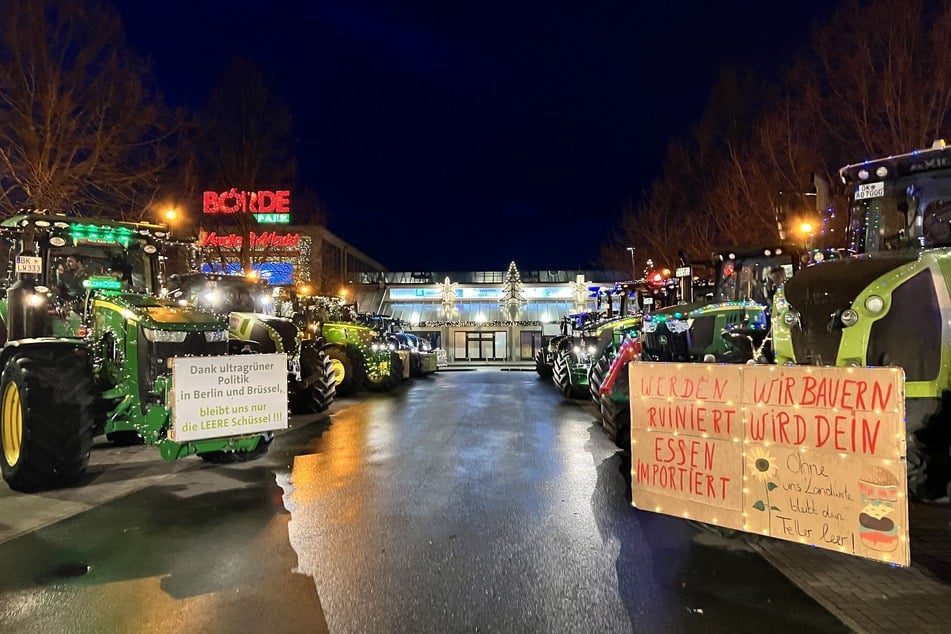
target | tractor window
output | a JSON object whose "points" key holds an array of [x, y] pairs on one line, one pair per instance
{"points": [[936, 224], [131, 266]]}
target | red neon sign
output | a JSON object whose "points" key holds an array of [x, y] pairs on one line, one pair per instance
{"points": [[258, 241], [259, 202]]}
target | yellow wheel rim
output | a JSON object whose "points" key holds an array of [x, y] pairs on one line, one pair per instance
{"points": [[12, 419], [340, 371]]}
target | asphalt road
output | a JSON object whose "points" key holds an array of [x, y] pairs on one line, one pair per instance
{"points": [[464, 502]]}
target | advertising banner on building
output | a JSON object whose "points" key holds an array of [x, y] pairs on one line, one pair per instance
{"points": [[806, 454]]}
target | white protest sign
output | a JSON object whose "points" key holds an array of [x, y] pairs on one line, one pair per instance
{"points": [[215, 397]]}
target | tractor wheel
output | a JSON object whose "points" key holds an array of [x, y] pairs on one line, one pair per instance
{"points": [[562, 376], [598, 371], [541, 365], [415, 366], [230, 457], [46, 418], [317, 374], [616, 418], [344, 372]]}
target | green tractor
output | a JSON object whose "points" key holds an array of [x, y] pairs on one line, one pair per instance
{"points": [[579, 357], [890, 304], [655, 292], [360, 357], [87, 350], [731, 324], [253, 328]]}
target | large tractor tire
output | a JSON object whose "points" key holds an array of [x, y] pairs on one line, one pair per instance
{"points": [[561, 376], [230, 457], [616, 419], [46, 418], [319, 385], [415, 366], [344, 371], [598, 371], [390, 380], [541, 364]]}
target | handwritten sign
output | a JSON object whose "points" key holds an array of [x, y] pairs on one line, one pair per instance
{"points": [[215, 397], [807, 454]]}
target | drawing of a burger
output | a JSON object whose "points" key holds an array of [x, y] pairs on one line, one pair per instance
{"points": [[878, 488]]}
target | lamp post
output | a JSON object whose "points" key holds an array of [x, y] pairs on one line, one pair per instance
{"points": [[634, 279]]}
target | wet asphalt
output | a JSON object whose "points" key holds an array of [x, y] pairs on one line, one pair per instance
{"points": [[472, 501]]}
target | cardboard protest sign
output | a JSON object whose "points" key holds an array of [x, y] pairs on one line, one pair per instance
{"points": [[807, 454]]}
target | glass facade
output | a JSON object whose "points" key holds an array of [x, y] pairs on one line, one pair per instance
{"points": [[483, 316]]}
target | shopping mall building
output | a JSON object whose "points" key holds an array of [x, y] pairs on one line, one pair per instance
{"points": [[476, 316]]}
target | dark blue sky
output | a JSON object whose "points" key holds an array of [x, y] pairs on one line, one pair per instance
{"points": [[463, 135]]}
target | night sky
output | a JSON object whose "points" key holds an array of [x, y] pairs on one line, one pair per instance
{"points": [[463, 135]]}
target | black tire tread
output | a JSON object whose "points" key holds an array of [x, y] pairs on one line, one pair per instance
{"points": [[317, 369], [56, 397]]}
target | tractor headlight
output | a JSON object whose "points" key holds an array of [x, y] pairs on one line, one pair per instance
{"points": [[576, 350], [212, 336], [164, 336], [849, 317], [874, 304], [591, 351]]}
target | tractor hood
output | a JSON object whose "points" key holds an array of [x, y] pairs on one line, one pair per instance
{"points": [[834, 285], [153, 311]]}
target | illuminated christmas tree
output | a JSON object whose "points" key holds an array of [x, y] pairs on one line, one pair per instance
{"points": [[512, 298]]}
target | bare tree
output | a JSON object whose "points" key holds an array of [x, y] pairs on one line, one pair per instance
{"points": [[775, 160], [878, 78], [244, 142], [82, 131]]}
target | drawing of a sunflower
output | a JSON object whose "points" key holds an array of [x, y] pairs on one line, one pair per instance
{"points": [[761, 465]]}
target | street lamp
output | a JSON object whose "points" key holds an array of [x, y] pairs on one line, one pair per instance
{"points": [[634, 279], [171, 217], [807, 231], [633, 266]]}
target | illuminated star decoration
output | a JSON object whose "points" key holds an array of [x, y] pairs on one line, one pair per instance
{"points": [[448, 292], [580, 290]]}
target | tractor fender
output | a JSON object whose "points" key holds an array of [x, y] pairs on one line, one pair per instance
{"points": [[40, 344], [313, 344]]}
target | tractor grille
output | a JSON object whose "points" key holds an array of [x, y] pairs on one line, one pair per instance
{"points": [[663, 345], [701, 335], [154, 356]]}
